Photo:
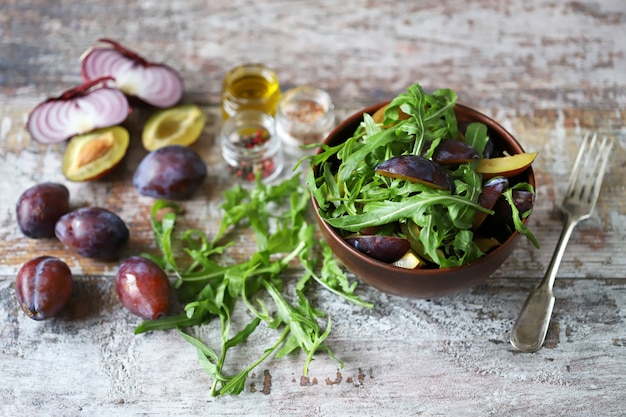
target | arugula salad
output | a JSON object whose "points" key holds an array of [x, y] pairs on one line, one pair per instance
{"points": [[413, 175]]}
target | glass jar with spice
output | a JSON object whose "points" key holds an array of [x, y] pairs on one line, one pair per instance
{"points": [[305, 115], [251, 147], [250, 87]]}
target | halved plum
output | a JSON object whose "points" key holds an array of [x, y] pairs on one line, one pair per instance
{"points": [[95, 154], [384, 248], [417, 169], [180, 125]]}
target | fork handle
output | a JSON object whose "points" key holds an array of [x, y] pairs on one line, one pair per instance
{"points": [[531, 327]]}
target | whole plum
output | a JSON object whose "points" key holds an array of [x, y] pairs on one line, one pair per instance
{"points": [[93, 232], [43, 287], [39, 208], [172, 172], [143, 288]]}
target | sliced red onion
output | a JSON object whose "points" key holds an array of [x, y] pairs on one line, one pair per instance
{"points": [[155, 84], [79, 110]]}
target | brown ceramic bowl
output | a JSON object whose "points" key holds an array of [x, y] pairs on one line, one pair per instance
{"points": [[422, 283]]}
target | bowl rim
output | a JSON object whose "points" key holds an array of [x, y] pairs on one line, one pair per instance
{"points": [[422, 272]]}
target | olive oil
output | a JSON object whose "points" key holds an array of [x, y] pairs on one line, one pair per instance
{"points": [[250, 87]]}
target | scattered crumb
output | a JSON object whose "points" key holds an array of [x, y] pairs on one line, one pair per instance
{"points": [[361, 376], [336, 381], [267, 382]]}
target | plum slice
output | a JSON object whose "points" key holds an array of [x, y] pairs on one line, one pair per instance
{"points": [[79, 110], [384, 248], [418, 169], [500, 225], [491, 193], [154, 83], [507, 166], [450, 151]]}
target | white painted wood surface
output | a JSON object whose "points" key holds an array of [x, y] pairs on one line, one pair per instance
{"points": [[548, 71]]}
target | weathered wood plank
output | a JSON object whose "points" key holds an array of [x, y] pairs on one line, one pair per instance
{"points": [[548, 71], [405, 355], [526, 55]]}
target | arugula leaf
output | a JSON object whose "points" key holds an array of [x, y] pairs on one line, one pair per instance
{"points": [[517, 217], [476, 136], [378, 213], [380, 139], [210, 287]]}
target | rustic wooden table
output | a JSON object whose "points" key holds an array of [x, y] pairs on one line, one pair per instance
{"points": [[548, 71]]}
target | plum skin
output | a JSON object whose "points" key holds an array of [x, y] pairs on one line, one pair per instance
{"points": [[93, 232], [491, 193], [384, 248], [416, 168], [39, 207], [452, 151], [172, 172], [43, 287], [500, 225], [143, 288]]}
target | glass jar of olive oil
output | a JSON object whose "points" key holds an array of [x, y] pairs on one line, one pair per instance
{"points": [[250, 87]]}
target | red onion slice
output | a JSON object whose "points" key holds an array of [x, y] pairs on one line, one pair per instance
{"points": [[155, 84], [77, 111]]}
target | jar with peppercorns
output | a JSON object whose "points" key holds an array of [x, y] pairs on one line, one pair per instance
{"points": [[251, 147]]}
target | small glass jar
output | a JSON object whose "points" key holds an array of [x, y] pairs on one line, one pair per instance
{"points": [[250, 87], [305, 115], [251, 147]]}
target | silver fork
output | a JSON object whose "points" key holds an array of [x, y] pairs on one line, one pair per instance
{"points": [[529, 331]]}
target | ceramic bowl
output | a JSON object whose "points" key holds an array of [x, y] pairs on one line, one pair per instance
{"points": [[423, 283]]}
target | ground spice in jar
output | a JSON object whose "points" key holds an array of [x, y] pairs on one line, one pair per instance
{"points": [[304, 116], [304, 111]]}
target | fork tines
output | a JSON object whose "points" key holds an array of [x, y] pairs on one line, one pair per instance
{"points": [[586, 178]]}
